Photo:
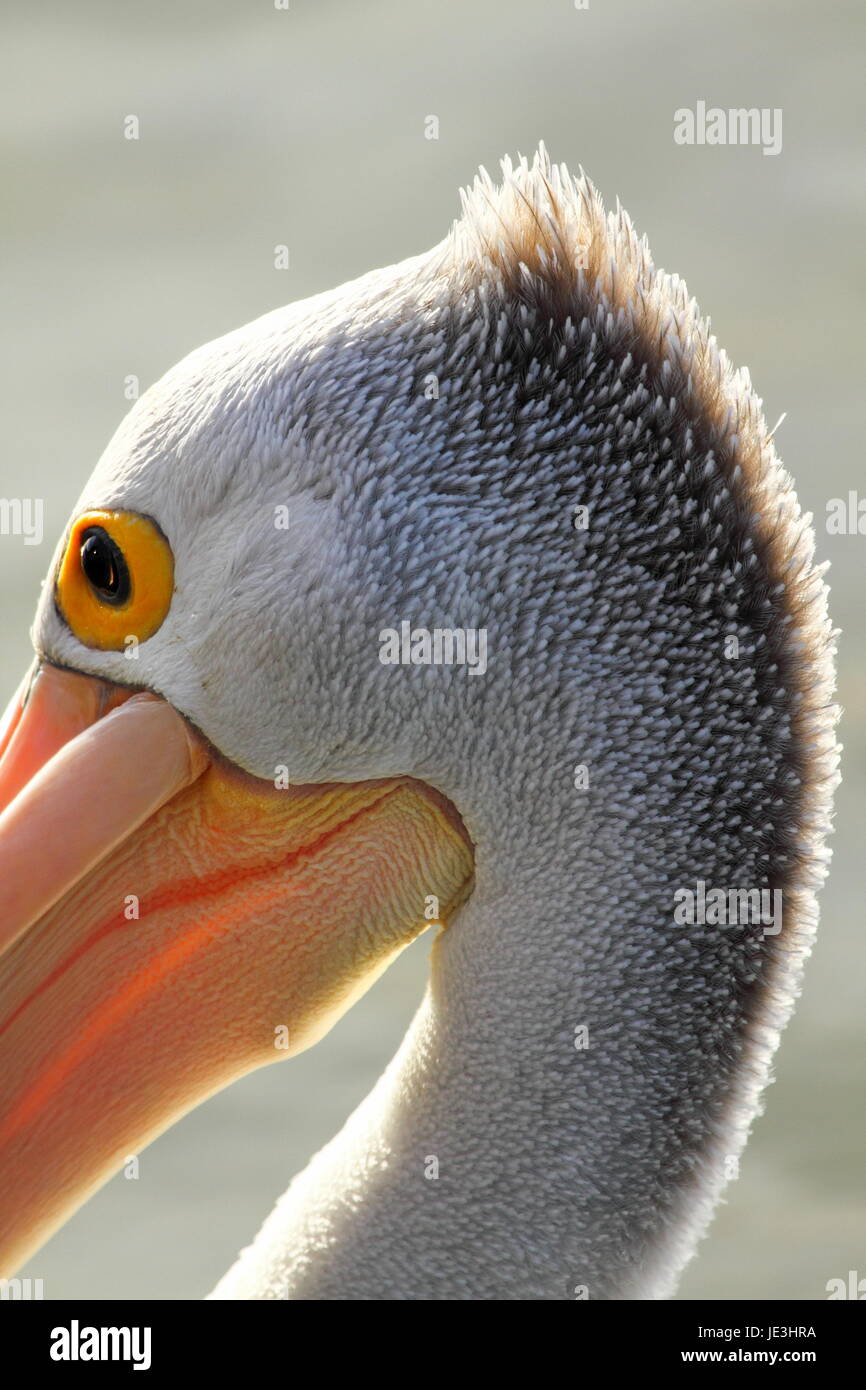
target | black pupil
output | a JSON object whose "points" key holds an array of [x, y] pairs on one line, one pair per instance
{"points": [[104, 567]]}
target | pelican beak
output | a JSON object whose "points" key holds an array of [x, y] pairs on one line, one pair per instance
{"points": [[170, 922]]}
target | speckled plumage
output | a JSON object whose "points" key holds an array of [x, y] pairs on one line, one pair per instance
{"points": [[432, 428]]}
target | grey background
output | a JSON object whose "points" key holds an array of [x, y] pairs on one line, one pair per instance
{"points": [[261, 127]]}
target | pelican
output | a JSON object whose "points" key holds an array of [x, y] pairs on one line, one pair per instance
{"points": [[238, 781]]}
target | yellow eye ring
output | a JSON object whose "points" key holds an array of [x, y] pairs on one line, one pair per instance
{"points": [[116, 579]]}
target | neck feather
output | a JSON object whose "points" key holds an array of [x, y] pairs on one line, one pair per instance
{"points": [[572, 1096]]}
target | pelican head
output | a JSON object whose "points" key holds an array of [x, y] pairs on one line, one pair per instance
{"points": [[471, 593]]}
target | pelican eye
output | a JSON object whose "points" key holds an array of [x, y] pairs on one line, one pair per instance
{"points": [[104, 566], [116, 579]]}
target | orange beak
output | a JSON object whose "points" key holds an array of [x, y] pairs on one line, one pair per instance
{"points": [[170, 922]]}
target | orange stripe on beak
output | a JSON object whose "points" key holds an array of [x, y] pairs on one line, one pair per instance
{"points": [[167, 916], [117, 773]]}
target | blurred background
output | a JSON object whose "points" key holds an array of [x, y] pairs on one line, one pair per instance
{"points": [[306, 127]]}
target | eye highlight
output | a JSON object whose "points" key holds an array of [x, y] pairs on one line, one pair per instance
{"points": [[104, 566], [116, 579]]}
